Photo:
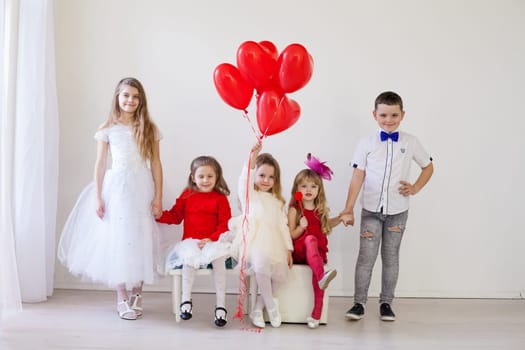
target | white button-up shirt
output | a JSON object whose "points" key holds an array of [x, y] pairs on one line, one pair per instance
{"points": [[386, 163]]}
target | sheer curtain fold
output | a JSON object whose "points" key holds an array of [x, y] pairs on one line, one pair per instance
{"points": [[10, 300], [36, 150], [29, 147]]}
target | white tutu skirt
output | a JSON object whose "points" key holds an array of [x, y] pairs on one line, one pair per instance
{"points": [[187, 252], [119, 248], [262, 255]]}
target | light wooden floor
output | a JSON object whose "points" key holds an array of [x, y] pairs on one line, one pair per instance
{"points": [[88, 320]]}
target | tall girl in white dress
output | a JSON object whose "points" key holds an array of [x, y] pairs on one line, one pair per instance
{"points": [[268, 246], [109, 235]]}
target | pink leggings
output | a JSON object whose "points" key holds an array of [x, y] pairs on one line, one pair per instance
{"points": [[316, 263]]}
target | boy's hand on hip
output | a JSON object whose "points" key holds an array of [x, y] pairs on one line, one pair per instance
{"points": [[406, 189]]}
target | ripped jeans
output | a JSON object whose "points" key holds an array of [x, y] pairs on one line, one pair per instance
{"points": [[378, 229]]}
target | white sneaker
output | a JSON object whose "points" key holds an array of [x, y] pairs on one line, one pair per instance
{"points": [[312, 322], [275, 315], [327, 278], [257, 318]]}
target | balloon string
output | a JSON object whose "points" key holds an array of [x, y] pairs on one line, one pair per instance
{"points": [[243, 283], [255, 132]]}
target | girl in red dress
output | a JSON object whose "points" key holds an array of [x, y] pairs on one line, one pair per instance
{"points": [[205, 210], [309, 225]]}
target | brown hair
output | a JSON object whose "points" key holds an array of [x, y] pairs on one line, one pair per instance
{"points": [[220, 184], [319, 201], [389, 98], [144, 130], [268, 159]]}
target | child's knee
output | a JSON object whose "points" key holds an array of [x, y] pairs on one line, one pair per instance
{"points": [[310, 241]]}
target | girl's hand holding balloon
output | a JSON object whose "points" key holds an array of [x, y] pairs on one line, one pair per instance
{"points": [[256, 149]]}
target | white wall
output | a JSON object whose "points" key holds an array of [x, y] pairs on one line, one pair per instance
{"points": [[457, 64]]}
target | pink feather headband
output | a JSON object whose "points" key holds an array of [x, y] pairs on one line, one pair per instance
{"points": [[319, 167]]}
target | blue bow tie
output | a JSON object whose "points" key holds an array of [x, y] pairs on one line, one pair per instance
{"points": [[385, 136]]}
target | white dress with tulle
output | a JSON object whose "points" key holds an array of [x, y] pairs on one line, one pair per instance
{"points": [[263, 238], [120, 247]]}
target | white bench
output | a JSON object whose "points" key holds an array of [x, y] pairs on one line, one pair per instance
{"points": [[296, 296]]}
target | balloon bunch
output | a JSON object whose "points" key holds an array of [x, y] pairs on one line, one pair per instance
{"points": [[272, 75]]}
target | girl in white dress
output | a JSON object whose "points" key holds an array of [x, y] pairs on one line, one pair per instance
{"points": [[268, 246], [108, 237]]}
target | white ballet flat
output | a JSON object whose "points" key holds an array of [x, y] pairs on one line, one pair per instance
{"points": [[257, 318], [274, 314]]}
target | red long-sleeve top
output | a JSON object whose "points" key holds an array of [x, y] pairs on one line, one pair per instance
{"points": [[205, 214]]}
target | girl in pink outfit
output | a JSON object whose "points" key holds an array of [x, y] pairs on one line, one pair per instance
{"points": [[309, 226]]}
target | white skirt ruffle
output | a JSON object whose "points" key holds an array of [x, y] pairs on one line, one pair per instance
{"points": [[188, 253]]}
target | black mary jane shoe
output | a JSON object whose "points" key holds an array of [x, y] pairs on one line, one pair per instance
{"points": [[186, 315], [219, 321]]}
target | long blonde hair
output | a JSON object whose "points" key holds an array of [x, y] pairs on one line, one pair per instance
{"points": [[268, 159], [144, 130], [319, 201]]}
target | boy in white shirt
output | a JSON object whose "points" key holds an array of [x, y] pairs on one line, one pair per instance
{"points": [[381, 166]]}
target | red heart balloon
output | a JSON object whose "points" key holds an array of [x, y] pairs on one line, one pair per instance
{"points": [[231, 86], [270, 48], [256, 64], [275, 112], [294, 68]]}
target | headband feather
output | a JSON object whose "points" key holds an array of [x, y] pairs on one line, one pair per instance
{"points": [[319, 167]]}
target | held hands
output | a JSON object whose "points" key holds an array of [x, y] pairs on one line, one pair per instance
{"points": [[156, 208], [347, 218], [406, 189]]}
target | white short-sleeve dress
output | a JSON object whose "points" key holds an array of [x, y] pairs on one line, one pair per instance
{"points": [[120, 247]]}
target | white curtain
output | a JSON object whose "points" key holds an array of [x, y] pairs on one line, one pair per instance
{"points": [[29, 152], [9, 287]]}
